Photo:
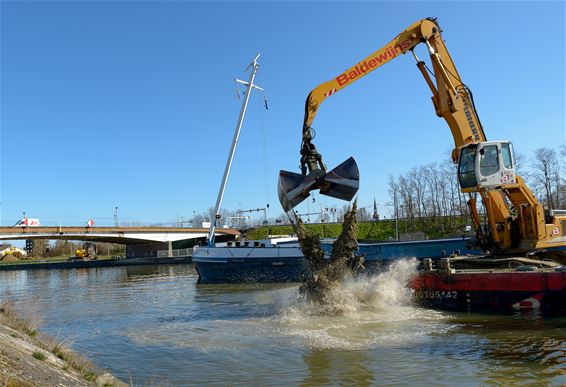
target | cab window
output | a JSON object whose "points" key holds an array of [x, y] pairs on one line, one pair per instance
{"points": [[466, 170], [489, 162], [506, 155]]}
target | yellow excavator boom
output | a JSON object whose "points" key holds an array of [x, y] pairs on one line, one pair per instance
{"points": [[517, 220]]}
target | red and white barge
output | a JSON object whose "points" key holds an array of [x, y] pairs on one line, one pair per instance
{"points": [[524, 284]]}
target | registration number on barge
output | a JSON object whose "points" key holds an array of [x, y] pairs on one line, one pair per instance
{"points": [[432, 294]]}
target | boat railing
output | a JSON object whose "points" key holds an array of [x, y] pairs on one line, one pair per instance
{"points": [[175, 253]]}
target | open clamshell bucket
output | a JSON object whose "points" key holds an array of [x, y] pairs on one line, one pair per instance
{"points": [[342, 183]]}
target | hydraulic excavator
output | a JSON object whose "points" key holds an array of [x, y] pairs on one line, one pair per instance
{"points": [[86, 253], [516, 222]]}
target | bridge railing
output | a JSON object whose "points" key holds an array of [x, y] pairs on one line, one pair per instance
{"points": [[175, 253]]}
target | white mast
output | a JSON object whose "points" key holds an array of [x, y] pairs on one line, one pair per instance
{"points": [[250, 85]]}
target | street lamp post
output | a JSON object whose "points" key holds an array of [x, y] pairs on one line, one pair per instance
{"points": [[115, 216], [396, 215]]}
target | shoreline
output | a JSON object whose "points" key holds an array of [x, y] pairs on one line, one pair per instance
{"points": [[95, 263], [29, 357]]}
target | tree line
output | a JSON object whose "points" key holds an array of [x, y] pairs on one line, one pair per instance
{"points": [[429, 196], [61, 248]]}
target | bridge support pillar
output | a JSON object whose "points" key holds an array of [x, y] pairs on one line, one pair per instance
{"points": [[170, 249]]}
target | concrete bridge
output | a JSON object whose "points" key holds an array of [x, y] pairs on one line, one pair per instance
{"points": [[121, 235], [139, 241]]}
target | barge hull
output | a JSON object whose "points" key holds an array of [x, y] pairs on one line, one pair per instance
{"points": [[495, 292], [253, 270]]}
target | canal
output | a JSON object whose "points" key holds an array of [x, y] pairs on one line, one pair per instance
{"points": [[155, 325]]}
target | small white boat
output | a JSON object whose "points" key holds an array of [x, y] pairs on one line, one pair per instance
{"points": [[278, 259], [247, 261]]}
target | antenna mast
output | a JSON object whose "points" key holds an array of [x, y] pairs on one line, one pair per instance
{"points": [[249, 86]]}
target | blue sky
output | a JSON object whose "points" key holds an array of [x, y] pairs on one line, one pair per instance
{"points": [[131, 104]]}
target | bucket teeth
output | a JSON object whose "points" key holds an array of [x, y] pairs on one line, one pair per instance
{"points": [[342, 183]]}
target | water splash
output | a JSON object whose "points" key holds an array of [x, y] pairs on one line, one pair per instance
{"points": [[382, 292], [364, 311], [361, 313], [324, 274]]}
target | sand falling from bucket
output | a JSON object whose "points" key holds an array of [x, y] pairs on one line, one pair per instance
{"points": [[323, 276]]}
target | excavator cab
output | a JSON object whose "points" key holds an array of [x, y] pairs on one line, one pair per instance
{"points": [[487, 164]]}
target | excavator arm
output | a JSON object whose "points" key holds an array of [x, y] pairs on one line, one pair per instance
{"points": [[343, 181], [516, 220], [311, 160], [451, 98]]}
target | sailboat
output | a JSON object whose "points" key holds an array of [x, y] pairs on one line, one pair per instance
{"points": [[271, 260]]}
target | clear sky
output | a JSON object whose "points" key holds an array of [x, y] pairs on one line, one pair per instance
{"points": [[131, 104]]}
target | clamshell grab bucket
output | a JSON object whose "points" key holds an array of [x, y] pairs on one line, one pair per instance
{"points": [[342, 182]]}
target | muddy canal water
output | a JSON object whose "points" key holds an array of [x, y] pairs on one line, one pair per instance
{"points": [[155, 325]]}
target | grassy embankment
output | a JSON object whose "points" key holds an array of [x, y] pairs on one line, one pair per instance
{"points": [[376, 231], [31, 358], [8, 259]]}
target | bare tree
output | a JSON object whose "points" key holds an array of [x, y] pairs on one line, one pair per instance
{"points": [[198, 220], [227, 217], [135, 223], [40, 248], [416, 184], [520, 164], [546, 175], [342, 211], [435, 194], [455, 200], [282, 219], [429, 197], [405, 200], [62, 248], [363, 215]]}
